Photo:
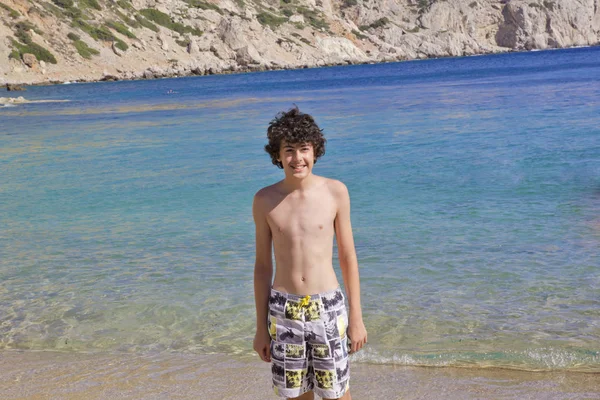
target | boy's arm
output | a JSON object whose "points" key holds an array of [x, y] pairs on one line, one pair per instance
{"points": [[263, 274], [349, 266]]}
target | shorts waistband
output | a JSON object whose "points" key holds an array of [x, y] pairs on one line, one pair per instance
{"points": [[315, 296]]}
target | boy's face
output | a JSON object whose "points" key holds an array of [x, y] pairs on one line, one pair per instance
{"points": [[297, 159]]}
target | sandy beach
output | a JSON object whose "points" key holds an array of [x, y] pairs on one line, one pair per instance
{"points": [[48, 375]]}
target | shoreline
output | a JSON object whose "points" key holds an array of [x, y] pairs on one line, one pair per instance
{"points": [[140, 76], [48, 375]]}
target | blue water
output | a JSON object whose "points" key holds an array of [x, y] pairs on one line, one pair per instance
{"points": [[126, 226]]}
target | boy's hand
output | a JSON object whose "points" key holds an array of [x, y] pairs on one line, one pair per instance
{"points": [[357, 333], [262, 345]]}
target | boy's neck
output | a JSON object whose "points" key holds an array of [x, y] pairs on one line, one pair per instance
{"points": [[291, 184]]}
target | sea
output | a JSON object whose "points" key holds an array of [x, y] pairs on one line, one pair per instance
{"points": [[126, 226]]}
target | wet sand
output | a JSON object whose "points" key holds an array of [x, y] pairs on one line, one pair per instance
{"points": [[48, 375]]}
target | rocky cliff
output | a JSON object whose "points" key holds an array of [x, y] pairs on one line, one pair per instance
{"points": [[85, 40]]}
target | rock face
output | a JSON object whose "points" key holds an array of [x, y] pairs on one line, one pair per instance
{"points": [[158, 38], [549, 24], [13, 87]]}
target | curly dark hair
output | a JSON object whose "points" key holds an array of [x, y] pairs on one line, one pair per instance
{"points": [[294, 127]]}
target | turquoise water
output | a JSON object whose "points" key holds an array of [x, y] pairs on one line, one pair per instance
{"points": [[126, 224]]}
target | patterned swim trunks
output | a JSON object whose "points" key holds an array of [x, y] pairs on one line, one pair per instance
{"points": [[309, 346]]}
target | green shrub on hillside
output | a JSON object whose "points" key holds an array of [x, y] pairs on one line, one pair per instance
{"points": [[122, 29], [157, 16], [204, 5], [125, 4], [313, 18], [358, 34], [84, 50], [14, 54], [270, 20], [90, 4], [73, 12], [146, 24], [100, 33], [33, 48], [64, 3], [164, 20], [21, 32], [12, 13], [119, 44], [375, 24], [97, 33], [57, 12], [129, 21], [22, 29]]}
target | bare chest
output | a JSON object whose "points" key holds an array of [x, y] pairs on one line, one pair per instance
{"points": [[308, 218]]}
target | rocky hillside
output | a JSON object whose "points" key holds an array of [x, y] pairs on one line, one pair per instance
{"points": [[83, 40]]}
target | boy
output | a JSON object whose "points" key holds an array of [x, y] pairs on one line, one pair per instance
{"points": [[301, 323]]}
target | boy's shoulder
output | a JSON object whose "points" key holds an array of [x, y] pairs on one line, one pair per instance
{"points": [[268, 194], [336, 187], [269, 190]]}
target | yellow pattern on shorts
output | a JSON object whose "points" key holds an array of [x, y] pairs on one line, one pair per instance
{"points": [[342, 326], [324, 378], [293, 378], [293, 310], [273, 327], [294, 350], [312, 311], [320, 350]]}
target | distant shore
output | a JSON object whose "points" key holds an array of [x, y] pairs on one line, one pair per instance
{"points": [[166, 73], [51, 375]]}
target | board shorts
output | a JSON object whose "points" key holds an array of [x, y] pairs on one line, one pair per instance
{"points": [[309, 344]]}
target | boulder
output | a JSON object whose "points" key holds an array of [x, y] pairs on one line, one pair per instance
{"points": [[109, 78], [162, 38], [297, 18], [30, 60], [231, 32], [14, 87], [222, 51], [148, 74], [192, 47], [248, 55]]}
